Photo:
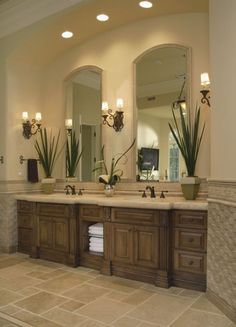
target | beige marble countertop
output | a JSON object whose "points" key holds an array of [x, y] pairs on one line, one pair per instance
{"points": [[127, 201]]}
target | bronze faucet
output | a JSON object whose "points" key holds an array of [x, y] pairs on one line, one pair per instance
{"points": [[152, 190]]}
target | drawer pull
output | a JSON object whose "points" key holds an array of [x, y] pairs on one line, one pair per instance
{"points": [[190, 263], [191, 240]]}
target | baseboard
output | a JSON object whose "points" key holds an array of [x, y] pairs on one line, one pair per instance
{"points": [[222, 305], [8, 249]]}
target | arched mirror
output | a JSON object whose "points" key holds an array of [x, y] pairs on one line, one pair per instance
{"points": [[162, 82], [83, 105]]}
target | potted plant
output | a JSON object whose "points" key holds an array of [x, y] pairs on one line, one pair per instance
{"points": [[188, 137], [72, 155], [110, 176], [47, 150]]}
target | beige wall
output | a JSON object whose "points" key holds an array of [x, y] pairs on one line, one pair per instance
{"points": [[223, 73], [114, 52]]}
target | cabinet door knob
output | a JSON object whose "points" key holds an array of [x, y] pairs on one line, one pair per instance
{"points": [[190, 263], [190, 240]]}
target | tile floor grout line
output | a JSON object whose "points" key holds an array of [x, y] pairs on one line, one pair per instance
{"points": [[188, 307], [14, 320]]}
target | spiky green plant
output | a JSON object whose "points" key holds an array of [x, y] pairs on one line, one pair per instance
{"points": [[72, 155], [188, 136], [113, 175], [47, 150]]}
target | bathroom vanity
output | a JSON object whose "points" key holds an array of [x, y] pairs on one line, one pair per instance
{"points": [[151, 240]]}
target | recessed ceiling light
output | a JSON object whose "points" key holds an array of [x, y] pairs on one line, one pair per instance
{"points": [[67, 34], [102, 17], [145, 4]]}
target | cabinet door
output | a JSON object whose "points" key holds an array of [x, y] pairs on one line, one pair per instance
{"points": [[146, 246], [46, 232], [122, 243], [60, 234]]}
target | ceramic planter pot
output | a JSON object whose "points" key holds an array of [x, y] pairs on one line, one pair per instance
{"points": [[190, 187], [48, 185]]}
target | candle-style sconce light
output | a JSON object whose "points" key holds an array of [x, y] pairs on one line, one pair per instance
{"points": [[205, 82], [116, 119], [31, 127], [68, 124]]}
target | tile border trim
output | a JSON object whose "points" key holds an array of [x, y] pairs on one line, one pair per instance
{"points": [[221, 304]]}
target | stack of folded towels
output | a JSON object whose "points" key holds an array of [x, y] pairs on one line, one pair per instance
{"points": [[96, 237]]}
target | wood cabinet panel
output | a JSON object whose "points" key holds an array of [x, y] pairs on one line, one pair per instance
{"points": [[194, 240], [122, 243], [60, 234], [128, 215], [190, 262], [91, 212], [190, 218], [56, 210], [24, 240], [146, 246], [25, 206], [25, 220], [46, 232]]}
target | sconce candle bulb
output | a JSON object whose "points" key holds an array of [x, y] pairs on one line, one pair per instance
{"points": [[38, 116], [31, 128], [68, 124], [120, 104], [205, 82]]}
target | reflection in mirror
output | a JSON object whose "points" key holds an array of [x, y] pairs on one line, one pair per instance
{"points": [[83, 105], [162, 82]]}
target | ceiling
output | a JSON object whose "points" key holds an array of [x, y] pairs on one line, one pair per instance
{"points": [[81, 19]]}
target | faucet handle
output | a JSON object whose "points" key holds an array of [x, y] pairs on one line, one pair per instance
{"points": [[67, 190], [162, 196], [144, 195], [80, 191]]}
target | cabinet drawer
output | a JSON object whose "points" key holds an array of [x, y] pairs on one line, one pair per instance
{"points": [[126, 215], [91, 212], [24, 220], [190, 262], [194, 240], [193, 219], [25, 206], [53, 210]]}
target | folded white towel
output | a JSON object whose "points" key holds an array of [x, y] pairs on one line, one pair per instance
{"points": [[96, 240], [95, 249], [97, 226], [96, 235]]}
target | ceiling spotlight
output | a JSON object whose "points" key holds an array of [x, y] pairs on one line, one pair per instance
{"points": [[102, 17], [67, 34], [145, 4]]}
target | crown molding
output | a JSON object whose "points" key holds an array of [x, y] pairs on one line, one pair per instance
{"points": [[18, 14]]}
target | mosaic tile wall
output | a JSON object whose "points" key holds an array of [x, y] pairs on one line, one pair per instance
{"points": [[221, 265]]}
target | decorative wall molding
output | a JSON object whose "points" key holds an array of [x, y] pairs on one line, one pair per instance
{"points": [[222, 190], [18, 14]]}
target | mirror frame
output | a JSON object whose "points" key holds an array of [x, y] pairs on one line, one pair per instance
{"points": [[188, 93], [96, 69]]}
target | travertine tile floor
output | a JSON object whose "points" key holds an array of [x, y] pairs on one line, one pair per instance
{"points": [[44, 294]]}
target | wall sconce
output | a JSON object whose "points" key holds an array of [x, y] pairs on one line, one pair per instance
{"points": [[114, 120], [205, 82], [68, 124], [31, 128]]}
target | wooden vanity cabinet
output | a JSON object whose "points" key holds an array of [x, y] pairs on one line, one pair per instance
{"points": [[189, 249], [139, 244], [48, 231], [57, 233], [25, 217]]}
